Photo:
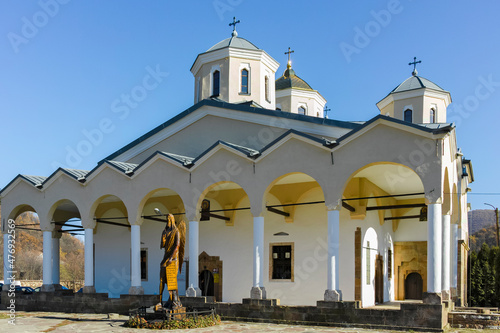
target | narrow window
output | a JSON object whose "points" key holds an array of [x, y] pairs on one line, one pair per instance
{"points": [[408, 115], [266, 83], [302, 110], [281, 261], [432, 116], [216, 83], [144, 264], [368, 263], [244, 81], [389, 264]]}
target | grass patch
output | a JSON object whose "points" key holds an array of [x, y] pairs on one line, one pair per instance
{"points": [[7, 315], [63, 323], [199, 322]]}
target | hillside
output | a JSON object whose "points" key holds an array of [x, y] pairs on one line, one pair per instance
{"points": [[479, 219]]}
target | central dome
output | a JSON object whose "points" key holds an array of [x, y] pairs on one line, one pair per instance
{"points": [[234, 41]]}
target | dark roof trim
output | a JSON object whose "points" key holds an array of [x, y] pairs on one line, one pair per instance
{"points": [[30, 179], [236, 107], [469, 163], [445, 129]]}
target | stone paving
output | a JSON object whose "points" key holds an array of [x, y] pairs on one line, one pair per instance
{"points": [[69, 322]]}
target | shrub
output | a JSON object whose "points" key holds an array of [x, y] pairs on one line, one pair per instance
{"points": [[193, 322]]}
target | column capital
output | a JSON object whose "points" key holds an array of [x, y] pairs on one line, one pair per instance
{"points": [[334, 205]]}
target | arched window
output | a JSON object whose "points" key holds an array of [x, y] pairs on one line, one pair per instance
{"points": [[432, 119], [266, 86], [244, 81], [302, 110], [408, 115], [216, 83]]}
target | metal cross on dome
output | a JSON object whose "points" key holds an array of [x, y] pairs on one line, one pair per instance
{"points": [[234, 23], [290, 51], [414, 63]]}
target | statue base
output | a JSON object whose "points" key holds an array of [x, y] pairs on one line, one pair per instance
{"points": [[173, 313]]}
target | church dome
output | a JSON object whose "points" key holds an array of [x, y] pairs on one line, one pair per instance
{"points": [[234, 41], [416, 82], [290, 80]]}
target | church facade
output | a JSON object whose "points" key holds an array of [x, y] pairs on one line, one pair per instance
{"points": [[280, 202]]}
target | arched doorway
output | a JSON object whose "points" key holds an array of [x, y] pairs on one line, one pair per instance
{"points": [[413, 286]]}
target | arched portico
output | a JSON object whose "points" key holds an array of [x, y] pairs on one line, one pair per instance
{"points": [[59, 216], [389, 199], [111, 238], [167, 201], [11, 228], [299, 239], [221, 229]]}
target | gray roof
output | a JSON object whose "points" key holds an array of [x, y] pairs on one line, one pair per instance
{"points": [[234, 41], [185, 160], [35, 180], [123, 166], [75, 173], [416, 82], [290, 80]]}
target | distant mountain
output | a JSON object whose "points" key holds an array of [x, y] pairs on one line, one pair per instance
{"points": [[486, 235], [480, 218]]}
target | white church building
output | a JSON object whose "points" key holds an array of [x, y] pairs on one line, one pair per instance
{"points": [[297, 207]]}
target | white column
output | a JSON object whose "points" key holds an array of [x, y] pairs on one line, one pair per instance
{"points": [[434, 235], [7, 269], [55, 261], [89, 261], [135, 260], [454, 256], [258, 291], [194, 235], [446, 265], [333, 292], [47, 262]]}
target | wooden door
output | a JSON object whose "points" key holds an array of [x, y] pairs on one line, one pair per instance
{"points": [[379, 279], [413, 286]]}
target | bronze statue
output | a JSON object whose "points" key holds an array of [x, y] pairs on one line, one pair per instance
{"points": [[173, 240]]}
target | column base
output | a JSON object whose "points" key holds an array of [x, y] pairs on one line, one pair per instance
{"points": [[333, 295], [445, 295], [134, 290], [193, 292], [258, 293], [57, 286], [48, 287], [431, 298], [88, 290]]}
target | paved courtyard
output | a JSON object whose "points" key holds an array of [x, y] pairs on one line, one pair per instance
{"points": [[68, 322]]}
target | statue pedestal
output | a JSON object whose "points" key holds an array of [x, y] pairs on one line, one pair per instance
{"points": [[175, 313]]}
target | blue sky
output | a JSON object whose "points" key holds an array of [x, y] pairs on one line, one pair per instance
{"points": [[66, 65]]}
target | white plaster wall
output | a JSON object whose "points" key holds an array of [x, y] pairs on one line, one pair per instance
{"points": [[112, 258], [308, 233], [411, 230], [234, 246]]}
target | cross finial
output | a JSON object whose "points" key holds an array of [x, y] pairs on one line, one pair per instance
{"points": [[414, 63], [234, 26], [289, 64], [325, 111]]}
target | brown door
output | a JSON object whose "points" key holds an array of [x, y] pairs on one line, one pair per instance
{"points": [[413, 286], [379, 279]]}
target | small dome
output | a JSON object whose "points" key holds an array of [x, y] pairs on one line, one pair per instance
{"points": [[290, 80], [416, 82], [234, 41]]}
